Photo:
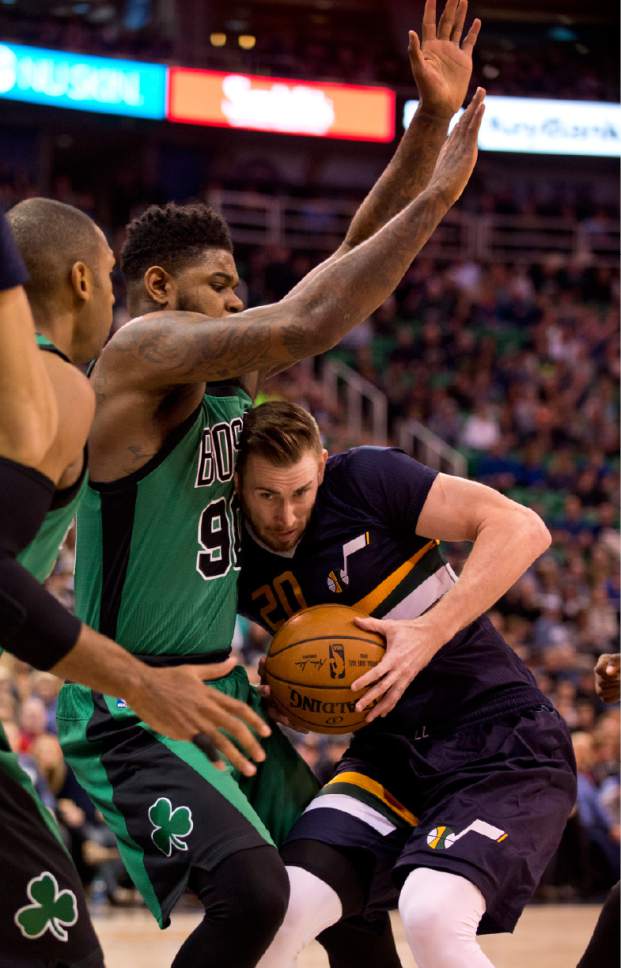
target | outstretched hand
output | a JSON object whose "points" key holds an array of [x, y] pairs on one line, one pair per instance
{"points": [[442, 64], [459, 153], [176, 702]]}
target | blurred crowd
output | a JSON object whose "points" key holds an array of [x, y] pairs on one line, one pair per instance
{"points": [[511, 59], [515, 366]]}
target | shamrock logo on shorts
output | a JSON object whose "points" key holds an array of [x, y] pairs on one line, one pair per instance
{"points": [[51, 909], [171, 826]]}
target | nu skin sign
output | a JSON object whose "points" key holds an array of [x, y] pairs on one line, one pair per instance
{"points": [[82, 82]]}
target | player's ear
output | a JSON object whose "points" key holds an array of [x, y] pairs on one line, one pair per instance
{"points": [[322, 464], [160, 287], [81, 281], [236, 483]]}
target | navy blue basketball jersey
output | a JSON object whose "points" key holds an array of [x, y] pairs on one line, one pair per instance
{"points": [[361, 549]]}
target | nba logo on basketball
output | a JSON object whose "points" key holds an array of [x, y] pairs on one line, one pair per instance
{"points": [[337, 661]]}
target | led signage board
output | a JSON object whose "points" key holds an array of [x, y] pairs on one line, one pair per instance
{"points": [[82, 82], [546, 126], [280, 105]]}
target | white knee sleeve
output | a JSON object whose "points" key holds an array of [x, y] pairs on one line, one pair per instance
{"points": [[440, 914], [313, 907]]}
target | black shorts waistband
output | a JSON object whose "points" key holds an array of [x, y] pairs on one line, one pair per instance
{"points": [[204, 658]]}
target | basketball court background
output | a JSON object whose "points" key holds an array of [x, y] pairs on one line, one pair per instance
{"points": [[546, 937], [288, 183]]}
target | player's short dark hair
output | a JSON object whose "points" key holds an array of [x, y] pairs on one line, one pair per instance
{"points": [[52, 237], [172, 236], [278, 431]]}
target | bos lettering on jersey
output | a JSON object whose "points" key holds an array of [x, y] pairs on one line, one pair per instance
{"points": [[219, 523], [217, 453]]}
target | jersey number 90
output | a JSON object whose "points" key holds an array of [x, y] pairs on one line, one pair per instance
{"points": [[220, 538]]}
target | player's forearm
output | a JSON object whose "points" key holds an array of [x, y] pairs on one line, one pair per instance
{"points": [[407, 174], [100, 663], [351, 288], [504, 548], [175, 348]]}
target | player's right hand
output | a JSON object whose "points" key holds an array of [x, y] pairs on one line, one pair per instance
{"points": [[607, 677], [272, 710], [176, 702], [458, 156]]}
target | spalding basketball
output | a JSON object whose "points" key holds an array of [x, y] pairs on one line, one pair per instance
{"points": [[313, 660]]}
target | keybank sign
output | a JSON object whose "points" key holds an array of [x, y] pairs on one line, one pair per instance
{"points": [[82, 82], [546, 127]]}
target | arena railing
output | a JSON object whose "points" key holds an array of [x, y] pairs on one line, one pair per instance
{"points": [[420, 442], [320, 224], [364, 407]]}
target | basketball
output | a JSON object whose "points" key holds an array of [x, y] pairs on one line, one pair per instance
{"points": [[313, 660]]}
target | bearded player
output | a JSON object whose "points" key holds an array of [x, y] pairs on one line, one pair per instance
{"points": [[454, 797], [157, 553]]}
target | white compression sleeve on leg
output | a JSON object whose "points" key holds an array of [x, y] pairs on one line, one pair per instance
{"points": [[313, 907], [440, 914]]}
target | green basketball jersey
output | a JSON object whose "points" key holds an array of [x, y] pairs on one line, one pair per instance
{"points": [[39, 557], [157, 551]]}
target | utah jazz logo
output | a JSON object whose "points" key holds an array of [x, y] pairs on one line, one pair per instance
{"points": [[337, 661], [336, 579], [441, 837]]}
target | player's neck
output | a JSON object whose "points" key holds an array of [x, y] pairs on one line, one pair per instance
{"points": [[58, 328]]}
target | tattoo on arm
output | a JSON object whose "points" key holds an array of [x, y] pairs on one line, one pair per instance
{"points": [[406, 175], [173, 348]]}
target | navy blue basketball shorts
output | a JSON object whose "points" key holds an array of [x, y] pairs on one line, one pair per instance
{"points": [[488, 802]]}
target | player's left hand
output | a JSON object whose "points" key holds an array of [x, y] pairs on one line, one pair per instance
{"points": [[442, 64], [410, 645]]}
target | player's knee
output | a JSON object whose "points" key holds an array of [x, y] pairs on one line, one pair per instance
{"points": [[266, 893], [440, 913], [259, 889], [422, 919]]}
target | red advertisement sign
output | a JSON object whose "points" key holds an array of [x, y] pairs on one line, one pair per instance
{"points": [[281, 105]]}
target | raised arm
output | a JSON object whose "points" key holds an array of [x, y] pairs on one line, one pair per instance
{"points": [[506, 539], [173, 348], [442, 68]]}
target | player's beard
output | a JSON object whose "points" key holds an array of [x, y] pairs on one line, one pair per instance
{"points": [[270, 538]]}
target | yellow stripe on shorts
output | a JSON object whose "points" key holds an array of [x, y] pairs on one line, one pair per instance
{"points": [[377, 790]]}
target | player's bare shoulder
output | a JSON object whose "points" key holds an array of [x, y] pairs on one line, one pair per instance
{"points": [[76, 407], [146, 353]]}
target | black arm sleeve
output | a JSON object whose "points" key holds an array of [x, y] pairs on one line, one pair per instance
{"points": [[12, 269], [34, 626]]}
